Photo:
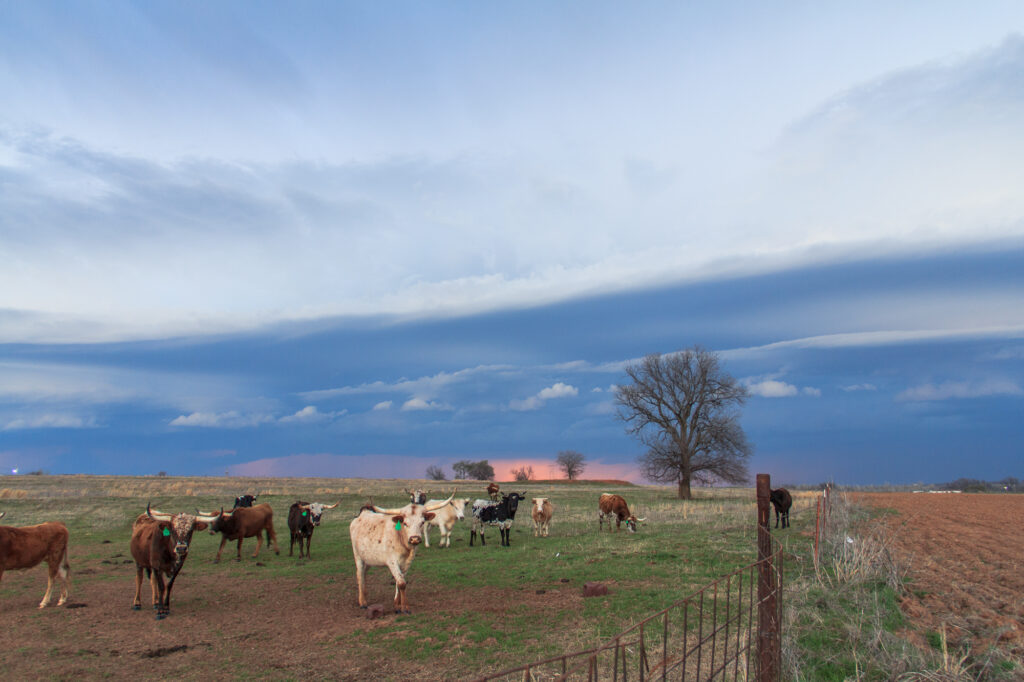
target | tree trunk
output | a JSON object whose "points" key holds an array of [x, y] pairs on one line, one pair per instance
{"points": [[684, 489]]}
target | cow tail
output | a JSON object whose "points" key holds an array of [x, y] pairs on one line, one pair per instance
{"points": [[65, 568]]}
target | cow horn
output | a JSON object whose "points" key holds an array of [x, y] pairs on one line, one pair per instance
{"points": [[2, 514], [208, 518], [331, 506], [381, 510], [434, 507], [643, 520], [158, 515]]}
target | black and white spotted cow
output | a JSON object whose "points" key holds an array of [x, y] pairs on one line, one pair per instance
{"points": [[500, 514]]}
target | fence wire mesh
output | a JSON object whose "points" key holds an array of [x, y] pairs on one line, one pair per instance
{"points": [[712, 634]]}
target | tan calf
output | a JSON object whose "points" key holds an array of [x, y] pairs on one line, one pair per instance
{"points": [[541, 512]]}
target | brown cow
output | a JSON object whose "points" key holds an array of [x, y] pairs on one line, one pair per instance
{"points": [[28, 546], [245, 522], [388, 537], [492, 491], [611, 505], [159, 545], [541, 513]]}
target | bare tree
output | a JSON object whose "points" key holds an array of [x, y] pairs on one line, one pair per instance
{"points": [[435, 473], [684, 408], [523, 473], [571, 463]]}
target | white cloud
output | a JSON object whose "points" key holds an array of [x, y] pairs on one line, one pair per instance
{"points": [[428, 386], [526, 404], [309, 415], [227, 420], [419, 404], [558, 390], [961, 389], [382, 405], [859, 387], [771, 388], [49, 421], [534, 402]]}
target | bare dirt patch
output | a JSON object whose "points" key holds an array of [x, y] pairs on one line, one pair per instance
{"points": [[235, 624], [966, 557]]}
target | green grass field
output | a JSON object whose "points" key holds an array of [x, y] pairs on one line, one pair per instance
{"points": [[475, 609]]}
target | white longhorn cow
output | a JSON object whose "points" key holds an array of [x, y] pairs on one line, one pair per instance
{"points": [[444, 519], [388, 537]]}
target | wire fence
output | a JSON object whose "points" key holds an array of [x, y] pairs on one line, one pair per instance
{"points": [[729, 629]]}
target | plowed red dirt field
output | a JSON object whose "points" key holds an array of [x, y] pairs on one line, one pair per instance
{"points": [[966, 559]]}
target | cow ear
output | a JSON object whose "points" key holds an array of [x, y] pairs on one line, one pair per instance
{"points": [[398, 518], [200, 525], [428, 516]]}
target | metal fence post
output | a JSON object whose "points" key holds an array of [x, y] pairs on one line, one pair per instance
{"points": [[768, 640]]}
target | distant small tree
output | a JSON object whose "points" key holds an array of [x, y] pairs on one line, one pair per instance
{"points": [[571, 463], [481, 471], [436, 473], [461, 469], [523, 473], [161, 473]]}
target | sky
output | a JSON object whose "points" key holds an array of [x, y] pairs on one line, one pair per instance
{"points": [[343, 239]]}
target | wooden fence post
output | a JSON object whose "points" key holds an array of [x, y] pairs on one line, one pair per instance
{"points": [[768, 640]]}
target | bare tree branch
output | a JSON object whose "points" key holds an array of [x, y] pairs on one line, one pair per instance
{"points": [[682, 406]]}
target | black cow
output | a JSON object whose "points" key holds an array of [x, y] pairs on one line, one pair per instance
{"points": [[303, 517], [500, 514], [782, 501], [245, 501]]}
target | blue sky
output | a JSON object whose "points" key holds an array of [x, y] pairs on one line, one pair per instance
{"points": [[342, 239]]}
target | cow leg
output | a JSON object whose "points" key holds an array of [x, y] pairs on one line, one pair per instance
{"points": [[272, 536], [401, 604], [63, 569], [223, 541], [360, 580], [259, 544], [156, 581], [238, 553], [472, 536], [291, 547], [137, 604], [309, 541], [49, 586]]}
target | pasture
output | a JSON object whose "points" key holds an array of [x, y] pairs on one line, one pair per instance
{"points": [[474, 609]]}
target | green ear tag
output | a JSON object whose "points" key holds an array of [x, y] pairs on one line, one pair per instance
{"points": [[167, 532], [398, 525], [304, 513]]}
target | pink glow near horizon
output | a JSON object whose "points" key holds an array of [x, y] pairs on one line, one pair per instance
{"points": [[547, 469], [404, 466]]}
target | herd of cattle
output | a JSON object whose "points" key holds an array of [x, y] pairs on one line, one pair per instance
{"points": [[380, 537]]}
